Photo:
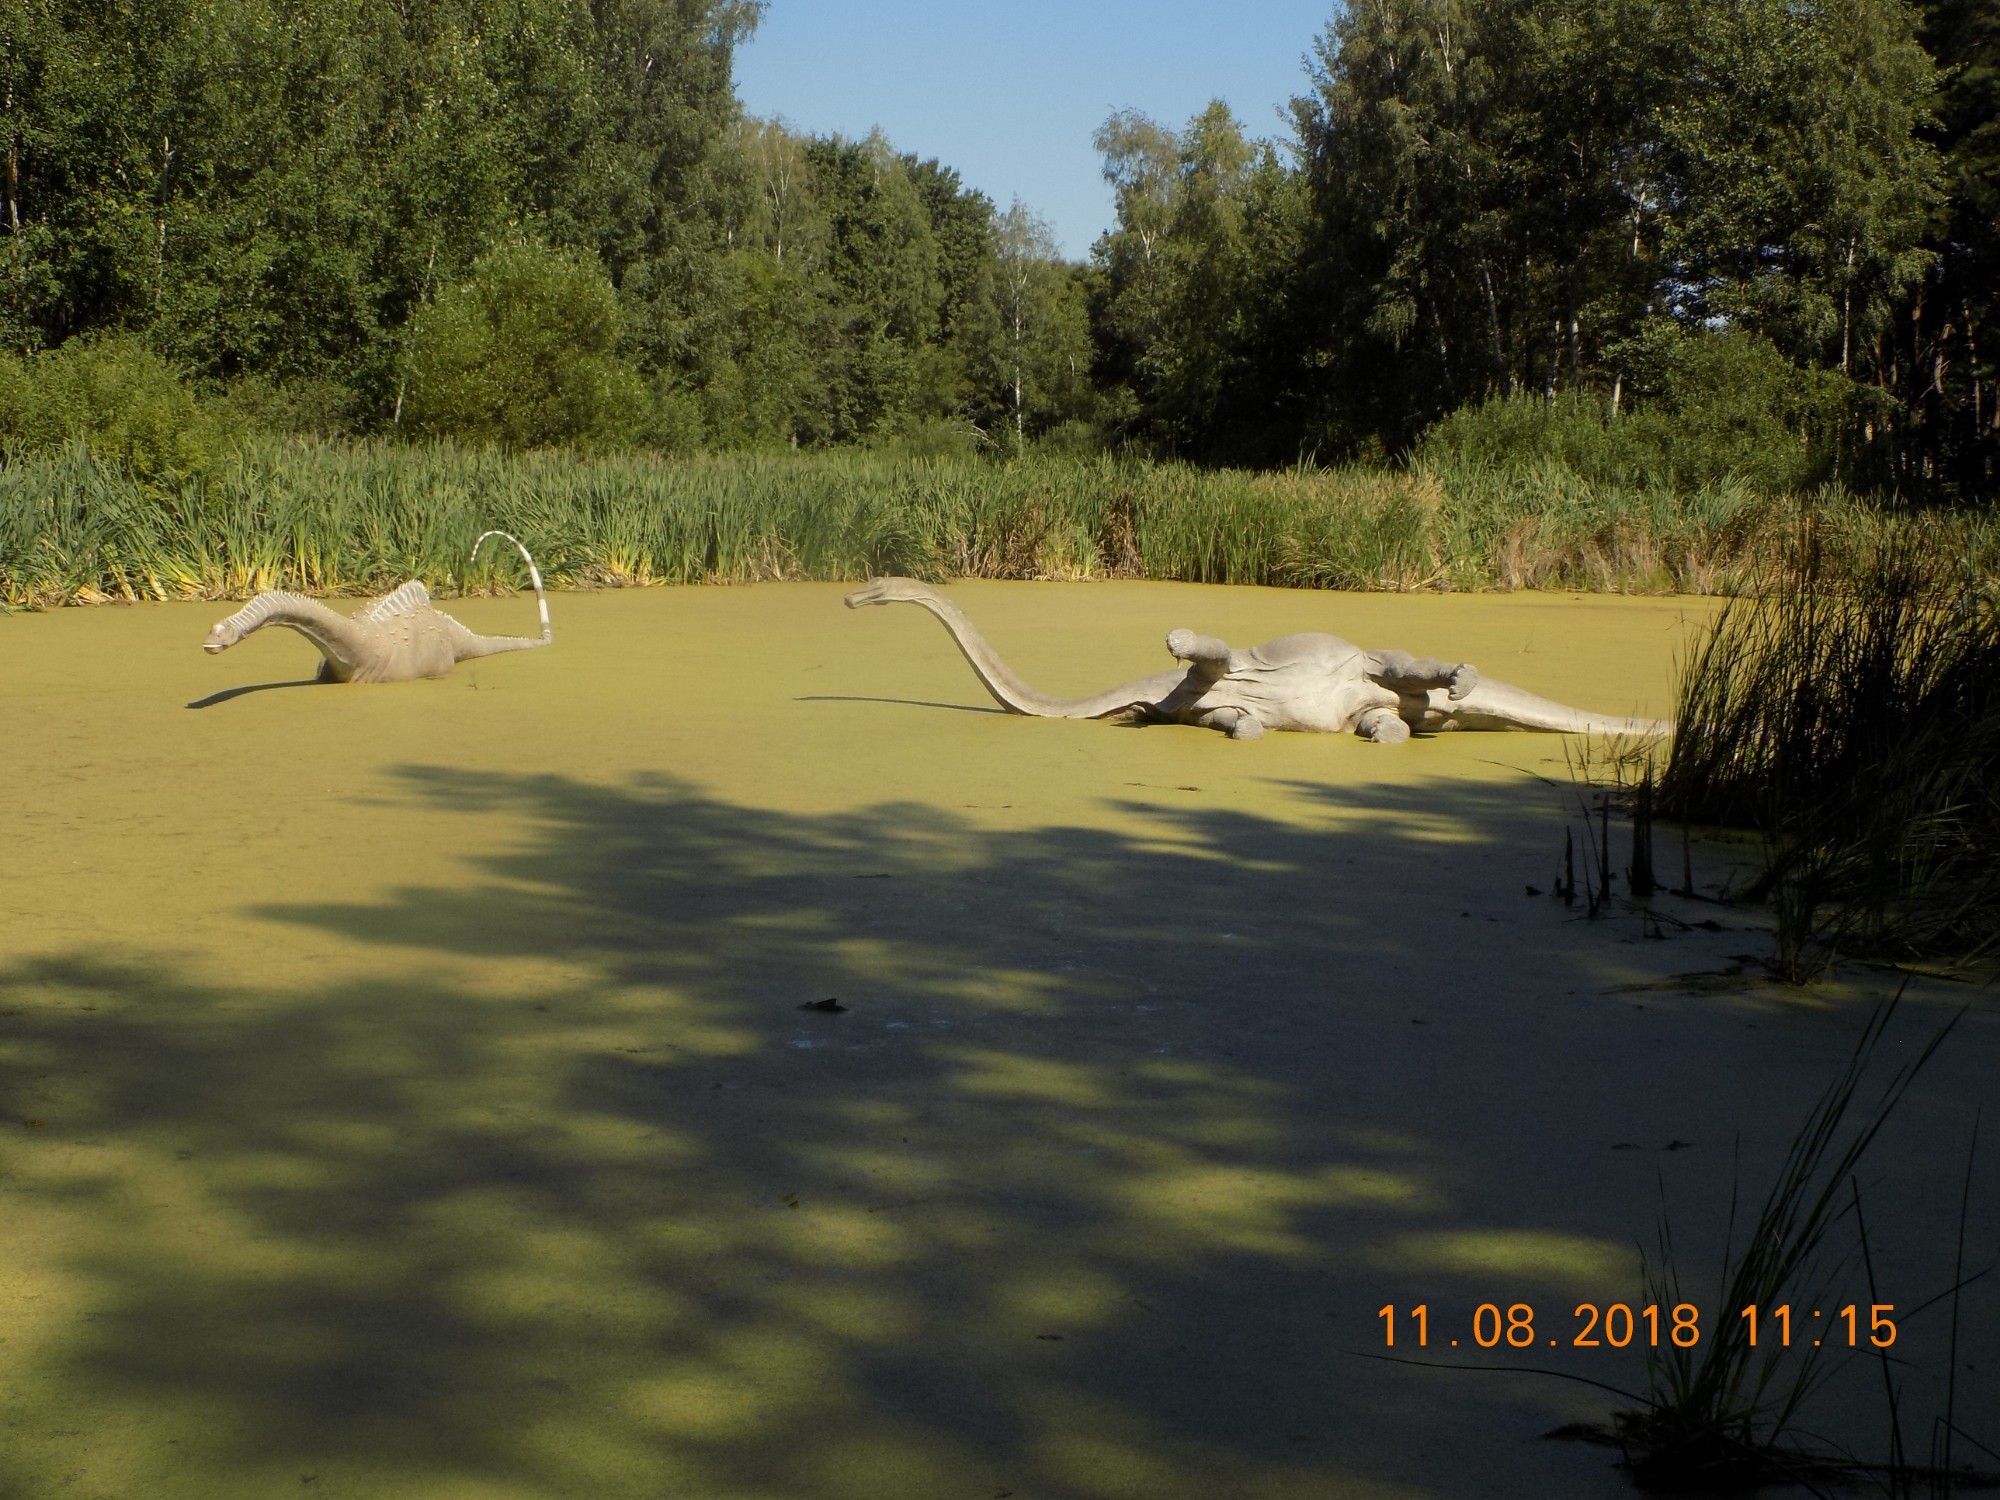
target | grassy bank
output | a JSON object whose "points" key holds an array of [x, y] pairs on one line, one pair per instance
{"points": [[345, 518]]}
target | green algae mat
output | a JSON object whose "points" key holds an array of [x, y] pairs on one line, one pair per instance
{"points": [[428, 1091]]}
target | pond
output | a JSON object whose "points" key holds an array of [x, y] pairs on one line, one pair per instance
{"points": [[411, 1090]]}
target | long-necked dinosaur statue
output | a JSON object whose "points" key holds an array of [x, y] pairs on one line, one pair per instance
{"points": [[1316, 683], [396, 638]]}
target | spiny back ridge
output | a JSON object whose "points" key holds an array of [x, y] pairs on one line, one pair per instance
{"points": [[409, 599]]}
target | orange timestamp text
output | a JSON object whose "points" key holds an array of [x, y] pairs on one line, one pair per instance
{"points": [[1617, 1325]]}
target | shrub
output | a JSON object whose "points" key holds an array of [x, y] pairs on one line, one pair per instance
{"points": [[1073, 439], [673, 419], [121, 400], [1523, 432], [1740, 409], [298, 408], [15, 394], [523, 355], [936, 438], [1706, 409]]}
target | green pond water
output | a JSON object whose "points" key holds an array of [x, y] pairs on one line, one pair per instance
{"points": [[404, 1090]]}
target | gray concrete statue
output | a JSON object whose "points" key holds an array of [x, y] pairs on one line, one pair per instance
{"points": [[1316, 683], [396, 638]]}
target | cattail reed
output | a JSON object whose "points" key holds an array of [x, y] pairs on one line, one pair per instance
{"points": [[1850, 713], [356, 517]]}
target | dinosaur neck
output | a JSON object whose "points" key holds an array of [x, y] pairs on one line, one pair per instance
{"points": [[340, 640], [1016, 696]]}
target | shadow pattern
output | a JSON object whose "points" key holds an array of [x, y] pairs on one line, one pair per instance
{"points": [[1118, 1146]]}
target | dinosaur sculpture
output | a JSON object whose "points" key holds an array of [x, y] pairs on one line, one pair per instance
{"points": [[396, 638], [1316, 683]]}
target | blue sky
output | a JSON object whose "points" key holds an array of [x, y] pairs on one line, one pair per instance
{"points": [[1010, 93]]}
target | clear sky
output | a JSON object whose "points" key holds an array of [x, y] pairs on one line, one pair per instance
{"points": [[1010, 93]]}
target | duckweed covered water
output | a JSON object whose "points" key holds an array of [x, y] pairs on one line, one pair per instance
{"points": [[404, 1091]]}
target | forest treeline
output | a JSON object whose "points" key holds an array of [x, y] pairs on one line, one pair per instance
{"points": [[1680, 238]]}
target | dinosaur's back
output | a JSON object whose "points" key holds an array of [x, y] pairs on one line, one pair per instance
{"points": [[411, 639]]}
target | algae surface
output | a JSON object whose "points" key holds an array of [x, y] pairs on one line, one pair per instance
{"points": [[405, 1091]]}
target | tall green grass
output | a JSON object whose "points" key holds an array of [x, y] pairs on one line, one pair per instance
{"points": [[1851, 713], [352, 517]]}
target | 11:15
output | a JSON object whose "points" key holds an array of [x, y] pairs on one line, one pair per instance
{"points": [[1881, 1327]]}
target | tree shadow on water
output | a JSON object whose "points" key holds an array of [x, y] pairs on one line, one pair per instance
{"points": [[1111, 1151]]}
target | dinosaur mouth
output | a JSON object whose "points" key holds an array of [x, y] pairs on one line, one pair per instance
{"points": [[214, 647]]}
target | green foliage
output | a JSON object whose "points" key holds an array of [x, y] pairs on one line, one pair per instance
{"points": [[119, 400], [1037, 358], [938, 438], [1736, 407], [1510, 199], [1523, 432], [523, 354], [1953, 367], [1802, 189], [856, 301], [353, 516], [270, 187], [1558, 197], [1189, 287], [882, 289], [1706, 409], [305, 407]]}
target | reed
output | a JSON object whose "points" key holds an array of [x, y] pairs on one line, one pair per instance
{"points": [[346, 517], [1850, 713], [1719, 1411]]}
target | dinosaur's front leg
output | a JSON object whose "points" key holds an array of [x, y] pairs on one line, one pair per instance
{"points": [[1209, 661], [1401, 672], [1208, 657]]}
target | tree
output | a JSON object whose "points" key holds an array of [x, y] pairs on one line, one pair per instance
{"points": [[853, 297], [1041, 359], [1953, 327], [1507, 197], [1187, 286], [963, 228], [275, 186], [523, 353], [880, 286]]}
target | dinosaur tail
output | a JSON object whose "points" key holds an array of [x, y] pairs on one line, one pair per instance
{"points": [[534, 575]]}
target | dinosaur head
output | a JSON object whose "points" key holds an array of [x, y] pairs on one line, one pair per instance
{"points": [[886, 591], [221, 638]]}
